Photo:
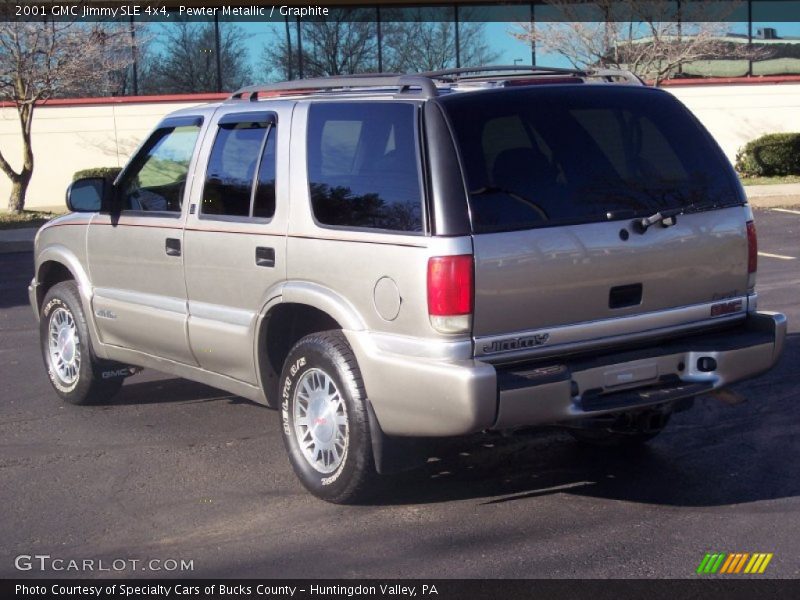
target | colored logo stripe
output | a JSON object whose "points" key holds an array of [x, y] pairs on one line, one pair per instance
{"points": [[734, 563]]}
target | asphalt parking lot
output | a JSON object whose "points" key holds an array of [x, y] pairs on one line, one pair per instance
{"points": [[176, 470]]}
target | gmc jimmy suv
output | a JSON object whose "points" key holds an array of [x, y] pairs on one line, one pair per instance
{"points": [[409, 256]]}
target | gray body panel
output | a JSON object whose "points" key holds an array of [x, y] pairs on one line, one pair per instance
{"points": [[543, 278]]}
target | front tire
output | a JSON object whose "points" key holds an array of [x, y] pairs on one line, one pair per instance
{"points": [[325, 420], [76, 374]]}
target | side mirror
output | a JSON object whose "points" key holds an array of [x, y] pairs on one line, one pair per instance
{"points": [[91, 194]]}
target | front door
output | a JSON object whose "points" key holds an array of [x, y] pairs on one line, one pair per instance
{"points": [[136, 254]]}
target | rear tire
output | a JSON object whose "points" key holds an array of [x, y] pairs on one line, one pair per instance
{"points": [[325, 420], [76, 374], [627, 430]]}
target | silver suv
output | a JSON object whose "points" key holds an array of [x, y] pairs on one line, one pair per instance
{"points": [[391, 257]]}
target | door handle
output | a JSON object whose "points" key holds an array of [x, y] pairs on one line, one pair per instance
{"points": [[265, 257], [173, 247]]}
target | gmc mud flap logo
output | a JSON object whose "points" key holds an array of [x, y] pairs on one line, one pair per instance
{"points": [[115, 373], [520, 343]]}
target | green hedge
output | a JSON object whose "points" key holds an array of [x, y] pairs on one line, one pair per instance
{"points": [[105, 172], [771, 154]]}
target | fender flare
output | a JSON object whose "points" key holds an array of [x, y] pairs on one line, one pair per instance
{"points": [[61, 254], [308, 294]]}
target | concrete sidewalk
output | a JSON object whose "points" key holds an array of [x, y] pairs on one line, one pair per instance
{"points": [[771, 196], [760, 196]]}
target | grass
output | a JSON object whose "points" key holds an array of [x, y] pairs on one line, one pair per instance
{"points": [[28, 218], [770, 180]]}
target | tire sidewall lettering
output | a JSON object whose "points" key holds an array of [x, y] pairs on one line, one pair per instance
{"points": [[294, 372], [46, 312]]}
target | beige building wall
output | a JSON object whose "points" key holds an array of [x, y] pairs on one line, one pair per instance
{"points": [[736, 114], [68, 138]]}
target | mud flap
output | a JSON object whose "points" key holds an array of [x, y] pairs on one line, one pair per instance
{"points": [[105, 370], [393, 454]]}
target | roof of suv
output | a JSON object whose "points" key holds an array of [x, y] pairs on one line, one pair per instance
{"points": [[431, 84]]}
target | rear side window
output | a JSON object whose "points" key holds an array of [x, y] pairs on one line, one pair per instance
{"points": [[557, 155], [240, 179], [363, 166]]}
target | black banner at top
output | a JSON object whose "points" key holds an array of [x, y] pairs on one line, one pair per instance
{"points": [[512, 11]]}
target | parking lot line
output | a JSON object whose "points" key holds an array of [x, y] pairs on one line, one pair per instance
{"points": [[781, 256], [787, 210]]}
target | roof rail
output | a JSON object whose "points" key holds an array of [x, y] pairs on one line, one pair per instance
{"points": [[467, 73], [614, 74], [453, 74], [425, 83], [403, 83]]}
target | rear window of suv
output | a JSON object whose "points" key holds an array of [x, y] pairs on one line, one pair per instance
{"points": [[363, 165], [562, 154]]}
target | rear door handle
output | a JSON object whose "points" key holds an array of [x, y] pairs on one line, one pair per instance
{"points": [[173, 247], [265, 257]]}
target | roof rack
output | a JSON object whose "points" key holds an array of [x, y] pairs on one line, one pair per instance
{"points": [[358, 82], [473, 73], [424, 83]]}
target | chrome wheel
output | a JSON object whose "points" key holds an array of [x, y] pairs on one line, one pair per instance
{"points": [[320, 421], [64, 346]]}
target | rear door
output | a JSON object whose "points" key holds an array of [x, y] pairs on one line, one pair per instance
{"points": [[557, 176], [235, 237]]}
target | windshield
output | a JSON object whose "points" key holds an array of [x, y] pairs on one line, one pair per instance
{"points": [[538, 157]]}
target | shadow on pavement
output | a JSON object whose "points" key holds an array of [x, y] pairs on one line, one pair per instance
{"points": [[165, 391], [714, 454]]}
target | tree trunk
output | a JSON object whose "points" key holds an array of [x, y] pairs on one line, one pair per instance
{"points": [[19, 187]]}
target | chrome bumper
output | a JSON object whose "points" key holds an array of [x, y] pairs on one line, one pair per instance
{"points": [[422, 397]]}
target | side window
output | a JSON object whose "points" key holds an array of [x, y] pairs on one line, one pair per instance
{"points": [[231, 188], [156, 179], [363, 165]]}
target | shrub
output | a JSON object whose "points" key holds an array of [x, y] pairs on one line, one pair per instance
{"points": [[105, 172], [771, 154]]}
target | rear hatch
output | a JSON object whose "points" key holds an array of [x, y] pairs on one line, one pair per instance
{"points": [[558, 177]]}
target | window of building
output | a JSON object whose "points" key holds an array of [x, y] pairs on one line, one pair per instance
{"points": [[363, 165]]}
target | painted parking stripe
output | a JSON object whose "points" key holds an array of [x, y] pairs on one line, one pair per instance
{"points": [[781, 256], [787, 210]]}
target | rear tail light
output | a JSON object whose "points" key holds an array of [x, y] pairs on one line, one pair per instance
{"points": [[752, 248], [450, 292]]}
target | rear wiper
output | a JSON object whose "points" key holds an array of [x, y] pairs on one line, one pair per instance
{"points": [[667, 218]]}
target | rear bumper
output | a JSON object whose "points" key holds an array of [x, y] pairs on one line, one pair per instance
{"points": [[425, 397]]}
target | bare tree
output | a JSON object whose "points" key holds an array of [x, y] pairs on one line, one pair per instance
{"points": [[347, 43], [41, 60], [344, 43], [651, 38], [416, 44], [185, 61]]}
